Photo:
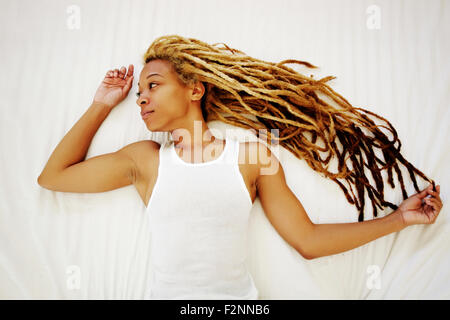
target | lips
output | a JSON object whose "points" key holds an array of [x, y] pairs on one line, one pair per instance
{"points": [[145, 114]]}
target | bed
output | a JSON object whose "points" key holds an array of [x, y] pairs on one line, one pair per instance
{"points": [[388, 57]]}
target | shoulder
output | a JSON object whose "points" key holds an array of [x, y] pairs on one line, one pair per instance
{"points": [[139, 148], [269, 174], [142, 153], [258, 155]]}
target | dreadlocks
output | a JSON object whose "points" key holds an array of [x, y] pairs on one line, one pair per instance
{"points": [[278, 97]]}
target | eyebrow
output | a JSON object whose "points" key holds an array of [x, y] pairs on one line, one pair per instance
{"points": [[153, 74]]}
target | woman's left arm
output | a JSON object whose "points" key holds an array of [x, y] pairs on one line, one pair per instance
{"points": [[289, 218]]}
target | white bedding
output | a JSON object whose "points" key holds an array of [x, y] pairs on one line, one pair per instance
{"points": [[57, 245]]}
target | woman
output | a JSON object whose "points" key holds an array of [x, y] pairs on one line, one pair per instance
{"points": [[199, 235]]}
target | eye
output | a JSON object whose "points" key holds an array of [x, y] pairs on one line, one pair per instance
{"points": [[150, 85]]}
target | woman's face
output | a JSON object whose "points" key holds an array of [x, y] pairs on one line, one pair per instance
{"points": [[160, 91]]}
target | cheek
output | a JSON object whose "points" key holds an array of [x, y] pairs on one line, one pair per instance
{"points": [[175, 110], [170, 101], [176, 104]]}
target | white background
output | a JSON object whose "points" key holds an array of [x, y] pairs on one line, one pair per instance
{"points": [[56, 245]]}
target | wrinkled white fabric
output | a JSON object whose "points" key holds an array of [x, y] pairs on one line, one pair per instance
{"points": [[63, 245], [199, 236]]}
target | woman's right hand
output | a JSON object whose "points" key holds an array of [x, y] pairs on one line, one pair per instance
{"points": [[115, 86]]}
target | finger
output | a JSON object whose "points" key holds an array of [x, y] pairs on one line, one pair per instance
{"points": [[435, 199], [433, 193], [439, 203], [123, 71], [434, 203], [433, 216], [424, 192], [130, 70], [128, 84], [436, 207], [116, 73]]}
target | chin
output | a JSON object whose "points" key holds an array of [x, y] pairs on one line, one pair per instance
{"points": [[152, 127]]}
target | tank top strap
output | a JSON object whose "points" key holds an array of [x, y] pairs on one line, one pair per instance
{"points": [[164, 154], [230, 151]]}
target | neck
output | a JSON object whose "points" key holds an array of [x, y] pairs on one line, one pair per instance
{"points": [[195, 135]]}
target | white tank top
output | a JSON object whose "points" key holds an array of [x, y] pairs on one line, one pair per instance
{"points": [[199, 214]]}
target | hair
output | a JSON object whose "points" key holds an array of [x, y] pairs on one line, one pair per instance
{"points": [[278, 97]]}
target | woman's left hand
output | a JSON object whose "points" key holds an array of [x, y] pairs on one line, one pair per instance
{"points": [[421, 209]]}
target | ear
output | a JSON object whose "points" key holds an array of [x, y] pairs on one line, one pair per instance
{"points": [[197, 90]]}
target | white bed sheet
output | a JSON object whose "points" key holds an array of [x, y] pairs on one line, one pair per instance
{"points": [[97, 246]]}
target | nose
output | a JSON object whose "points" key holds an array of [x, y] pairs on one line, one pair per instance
{"points": [[141, 101]]}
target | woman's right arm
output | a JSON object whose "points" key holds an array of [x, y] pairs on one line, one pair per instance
{"points": [[67, 171]]}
